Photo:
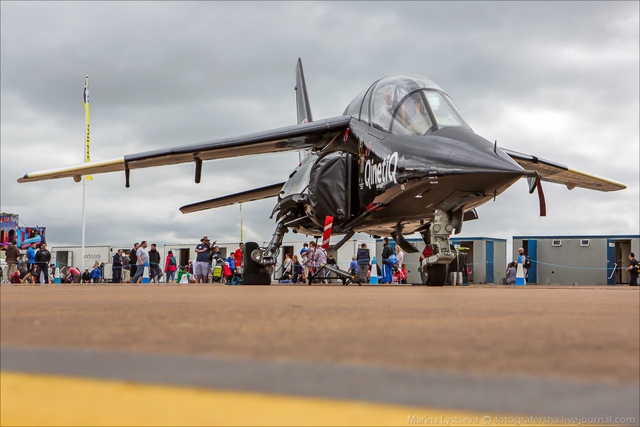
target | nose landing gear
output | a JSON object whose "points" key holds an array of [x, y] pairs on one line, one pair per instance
{"points": [[258, 262], [439, 251]]}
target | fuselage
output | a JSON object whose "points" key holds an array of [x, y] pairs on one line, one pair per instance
{"points": [[449, 169]]}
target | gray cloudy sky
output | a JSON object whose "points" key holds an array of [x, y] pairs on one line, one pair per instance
{"points": [[554, 79]]}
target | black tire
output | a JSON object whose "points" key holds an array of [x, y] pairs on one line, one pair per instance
{"points": [[437, 275], [252, 272], [423, 276]]}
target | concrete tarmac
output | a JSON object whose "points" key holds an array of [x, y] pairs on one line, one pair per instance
{"points": [[564, 351]]}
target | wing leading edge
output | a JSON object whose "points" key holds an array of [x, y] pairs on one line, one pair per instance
{"points": [[292, 138], [561, 174]]}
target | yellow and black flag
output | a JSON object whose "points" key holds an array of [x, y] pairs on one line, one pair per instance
{"points": [[85, 103]]}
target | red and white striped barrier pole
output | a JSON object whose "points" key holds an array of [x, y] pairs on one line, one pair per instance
{"points": [[326, 235]]}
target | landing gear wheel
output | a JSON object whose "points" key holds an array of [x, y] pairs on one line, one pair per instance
{"points": [[437, 275], [253, 273], [423, 275]]}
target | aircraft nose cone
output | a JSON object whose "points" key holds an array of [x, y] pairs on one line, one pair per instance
{"points": [[491, 160], [472, 153]]}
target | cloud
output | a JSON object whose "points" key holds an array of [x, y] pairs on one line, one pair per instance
{"points": [[554, 79]]}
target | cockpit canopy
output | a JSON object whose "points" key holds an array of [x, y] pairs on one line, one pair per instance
{"points": [[405, 105]]}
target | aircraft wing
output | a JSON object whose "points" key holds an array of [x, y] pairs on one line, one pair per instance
{"points": [[561, 174], [245, 196], [292, 138]]}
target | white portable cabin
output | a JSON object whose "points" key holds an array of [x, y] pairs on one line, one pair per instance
{"points": [[67, 256], [71, 256]]}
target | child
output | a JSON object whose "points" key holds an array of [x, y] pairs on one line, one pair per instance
{"points": [[353, 267], [511, 273], [96, 273], [183, 272], [298, 270], [227, 271], [286, 278], [402, 274]]}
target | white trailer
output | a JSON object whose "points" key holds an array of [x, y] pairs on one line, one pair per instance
{"points": [[68, 256], [72, 255]]}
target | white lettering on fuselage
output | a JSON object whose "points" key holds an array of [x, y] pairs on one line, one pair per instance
{"points": [[380, 173]]}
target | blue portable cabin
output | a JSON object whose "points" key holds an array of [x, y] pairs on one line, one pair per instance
{"points": [[580, 260]]}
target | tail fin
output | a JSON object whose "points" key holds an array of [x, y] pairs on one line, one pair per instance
{"points": [[302, 99]]}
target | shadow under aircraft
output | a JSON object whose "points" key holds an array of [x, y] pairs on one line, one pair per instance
{"points": [[400, 160]]}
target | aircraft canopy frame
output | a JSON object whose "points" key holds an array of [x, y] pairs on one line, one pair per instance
{"points": [[405, 105]]}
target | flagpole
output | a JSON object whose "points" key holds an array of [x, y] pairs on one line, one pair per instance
{"points": [[87, 158], [84, 196], [241, 227]]}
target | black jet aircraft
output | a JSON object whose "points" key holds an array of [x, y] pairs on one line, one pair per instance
{"points": [[401, 159]]}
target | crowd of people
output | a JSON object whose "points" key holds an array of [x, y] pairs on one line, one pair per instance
{"points": [[31, 267], [35, 267], [307, 266], [209, 265], [299, 268]]}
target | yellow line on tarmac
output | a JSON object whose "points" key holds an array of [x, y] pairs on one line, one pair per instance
{"points": [[48, 400]]}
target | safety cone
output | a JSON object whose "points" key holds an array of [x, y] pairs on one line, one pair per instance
{"points": [[520, 281], [145, 274], [373, 280], [56, 275]]}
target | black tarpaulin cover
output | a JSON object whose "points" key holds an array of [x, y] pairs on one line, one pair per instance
{"points": [[328, 187]]}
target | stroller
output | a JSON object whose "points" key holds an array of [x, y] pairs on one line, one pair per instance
{"points": [[216, 273]]}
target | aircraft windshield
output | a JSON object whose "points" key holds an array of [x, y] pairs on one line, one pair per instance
{"points": [[445, 115], [405, 105], [412, 116]]}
